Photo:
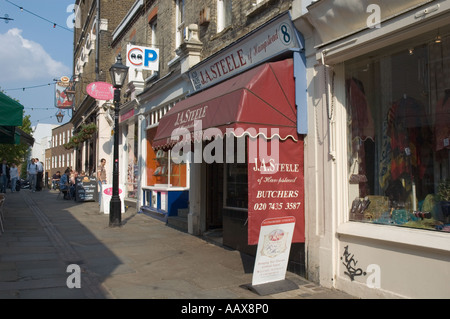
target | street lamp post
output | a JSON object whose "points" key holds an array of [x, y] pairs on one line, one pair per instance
{"points": [[118, 73]]}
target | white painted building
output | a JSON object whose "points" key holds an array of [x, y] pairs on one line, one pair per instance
{"points": [[42, 134], [377, 147]]}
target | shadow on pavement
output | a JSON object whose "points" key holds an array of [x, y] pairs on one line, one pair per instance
{"points": [[45, 234]]}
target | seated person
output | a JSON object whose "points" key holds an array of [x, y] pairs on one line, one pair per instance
{"points": [[73, 182], [64, 184], [55, 179]]}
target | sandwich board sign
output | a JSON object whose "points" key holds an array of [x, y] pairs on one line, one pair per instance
{"points": [[86, 189], [274, 245], [107, 190]]}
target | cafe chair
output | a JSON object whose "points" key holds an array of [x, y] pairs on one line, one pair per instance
{"points": [[2, 216], [61, 193]]}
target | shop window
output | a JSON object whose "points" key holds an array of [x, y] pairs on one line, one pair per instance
{"points": [[132, 160], [236, 186], [170, 169], [398, 106], [236, 176]]}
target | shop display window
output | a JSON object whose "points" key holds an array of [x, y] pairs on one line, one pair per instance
{"points": [[236, 186], [236, 175], [398, 129], [169, 170], [132, 158]]}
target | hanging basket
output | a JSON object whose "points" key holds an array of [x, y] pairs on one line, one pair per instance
{"points": [[89, 128]]}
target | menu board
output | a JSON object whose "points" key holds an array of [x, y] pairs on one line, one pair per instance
{"points": [[86, 189]]}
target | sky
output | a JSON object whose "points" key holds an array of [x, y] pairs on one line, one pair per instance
{"points": [[34, 52]]}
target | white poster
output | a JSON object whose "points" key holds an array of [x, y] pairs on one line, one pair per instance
{"points": [[164, 201], [274, 245], [107, 191]]}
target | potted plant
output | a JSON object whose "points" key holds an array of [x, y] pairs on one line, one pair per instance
{"points": [[444, 197]]}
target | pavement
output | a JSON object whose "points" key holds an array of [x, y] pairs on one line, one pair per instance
{"points": [[60, 249]]}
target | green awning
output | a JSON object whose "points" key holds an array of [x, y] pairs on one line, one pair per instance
{"points": [[11, 111]]}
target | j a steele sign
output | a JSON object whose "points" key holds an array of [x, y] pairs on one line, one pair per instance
{"points": [[276, 188], [267, 42]]}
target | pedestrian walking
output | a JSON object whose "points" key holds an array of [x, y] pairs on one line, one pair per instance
{"points": [[14, 175], [32, 174], [101, 177], [39, 175]]}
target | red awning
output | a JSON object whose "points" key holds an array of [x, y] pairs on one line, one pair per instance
{"points": [[260, 101]]}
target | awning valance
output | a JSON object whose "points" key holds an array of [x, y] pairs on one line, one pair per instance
{"points": [[24, 137], [259, 102], [11, 111], [14, 135]]}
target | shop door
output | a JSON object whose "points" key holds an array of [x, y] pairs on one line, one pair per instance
{"points": [[214, 195]]}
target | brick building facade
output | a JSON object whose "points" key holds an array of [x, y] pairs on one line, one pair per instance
{"points": [[92, 56], [60, 158], [186, 32]]}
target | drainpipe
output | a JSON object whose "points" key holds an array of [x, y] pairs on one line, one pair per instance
{"points": [[97, 71], [97, 43], [330, 110]]}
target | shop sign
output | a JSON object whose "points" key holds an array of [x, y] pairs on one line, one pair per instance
{"points": [[127, 115], [276, 186], [269, 41], [142, 58], [100, 91], [274, 245], [63, 100]]}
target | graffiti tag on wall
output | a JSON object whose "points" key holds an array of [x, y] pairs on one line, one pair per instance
{"points": [[349, 262]]}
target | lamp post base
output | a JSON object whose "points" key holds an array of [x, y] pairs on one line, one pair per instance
{"points": [[115, 214]]}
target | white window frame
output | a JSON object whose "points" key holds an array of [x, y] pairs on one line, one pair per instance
{"points": [[179, 22], [224, 14], [153, 34]]}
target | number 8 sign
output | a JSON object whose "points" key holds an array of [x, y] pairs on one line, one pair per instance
{"points": [[286, 34]]}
